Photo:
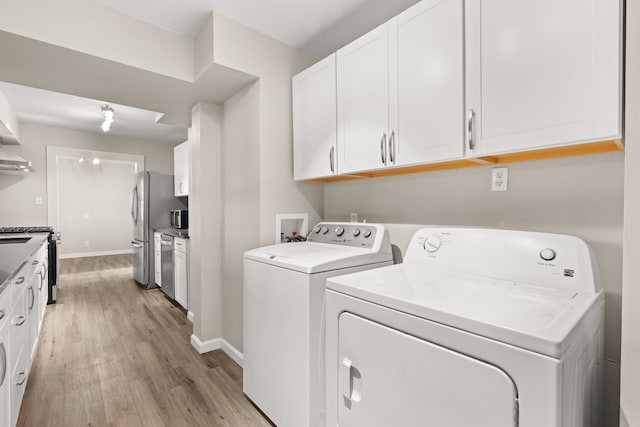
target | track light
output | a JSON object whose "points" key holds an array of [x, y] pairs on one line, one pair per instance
{"points": [[107, 113]]}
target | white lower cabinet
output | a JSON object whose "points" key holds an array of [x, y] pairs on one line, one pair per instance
{"points": [[22, 307], [157, 257], [181, 271]]}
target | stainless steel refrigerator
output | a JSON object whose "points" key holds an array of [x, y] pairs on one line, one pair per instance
{"points": [[152, 200]]}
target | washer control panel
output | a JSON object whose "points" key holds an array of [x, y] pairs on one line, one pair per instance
{"points": [[361, 235]]}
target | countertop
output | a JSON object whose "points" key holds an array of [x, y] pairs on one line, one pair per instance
{"points": [[184, 233], [14, 255]]}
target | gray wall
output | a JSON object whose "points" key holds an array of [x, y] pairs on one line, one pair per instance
{"points": [[21, 189], [241, 154], [630, 376], [582, 196]]}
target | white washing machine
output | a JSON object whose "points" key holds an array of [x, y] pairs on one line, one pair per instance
{"points": [[476, 328], [284, 289]]}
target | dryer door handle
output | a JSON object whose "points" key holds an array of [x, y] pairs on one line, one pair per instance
{"points": [[346, 378]]}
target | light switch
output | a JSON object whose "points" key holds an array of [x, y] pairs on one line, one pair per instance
{"points": [[38, 200]]}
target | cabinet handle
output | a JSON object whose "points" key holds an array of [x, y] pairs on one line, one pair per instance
{"points": [[346, 378], [33, 298], [34, 262], [42, 275], [331, 159], [383, 148], [20, 281], [392, 147], [2, 313], [24, 378], [3, 353], [470, 120], [18, 320]]}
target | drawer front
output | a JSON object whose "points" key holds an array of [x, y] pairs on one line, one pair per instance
{"points": [[18, 331], [5, 306], [19, 284]]}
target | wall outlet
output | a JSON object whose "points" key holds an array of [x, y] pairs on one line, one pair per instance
{"points": [[38, 200], [499, 179], [86, 244], [353, 217]]}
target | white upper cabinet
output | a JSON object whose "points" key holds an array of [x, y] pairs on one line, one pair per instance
{"points": [[426, 83], [541, 73], [363, 103], [400, 90], [181, 169], [314, 121]]}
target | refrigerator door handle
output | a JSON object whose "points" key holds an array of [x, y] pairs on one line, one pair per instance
{"points": [[135, 202], [136, 245], [133, 196]]}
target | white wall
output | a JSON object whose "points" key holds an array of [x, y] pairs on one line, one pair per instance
{"points": [[582, 196], [18, 191], [630, 375]]}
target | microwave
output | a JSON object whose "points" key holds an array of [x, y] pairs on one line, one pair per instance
{"points": [[180, 219]]}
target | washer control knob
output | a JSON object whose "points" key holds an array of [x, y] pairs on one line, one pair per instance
{"points": [[339, 231], [325, 230], [356, 232], [366, 233], [432, 243], [317, 229], [548, 254]]}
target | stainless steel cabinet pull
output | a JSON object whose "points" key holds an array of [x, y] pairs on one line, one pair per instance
{"points": [[3, 353], [2, 313], [24, 378], [18, 321], [20, 281], [470, 119], [33, 298], [42, 276], [136, 245], [331, 160], [383, 148], [392, 147], [35, 262]]}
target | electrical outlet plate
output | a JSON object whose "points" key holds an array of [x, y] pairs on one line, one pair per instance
{"points": [[499, 179], [353, 217]]}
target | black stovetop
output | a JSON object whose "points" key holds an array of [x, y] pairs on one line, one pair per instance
{"points": [[40, 229]]}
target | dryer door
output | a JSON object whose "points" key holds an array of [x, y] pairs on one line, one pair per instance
{"points": [[388, 378]]}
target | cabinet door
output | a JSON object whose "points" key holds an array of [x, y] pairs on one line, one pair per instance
{"points": [[157, 258], [363, 102], [314, 121], [32, 314], [5, 376], [542, 73], [181, 169], [426, 83], [180, 277]]}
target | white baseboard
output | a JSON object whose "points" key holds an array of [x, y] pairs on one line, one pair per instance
{"points": [[190, 316], [232, 352], [206, 346], [217, 344], [97, 253]]}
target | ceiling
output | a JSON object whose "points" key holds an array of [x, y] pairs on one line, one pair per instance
{"points": [[319, 27]]}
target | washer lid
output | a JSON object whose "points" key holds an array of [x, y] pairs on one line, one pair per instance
{"points": [[312, 257], [534, 317]]}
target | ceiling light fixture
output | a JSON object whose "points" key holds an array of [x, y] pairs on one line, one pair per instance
{"points": [[95, 161], [107, 113]]}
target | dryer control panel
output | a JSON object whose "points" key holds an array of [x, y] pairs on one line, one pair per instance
{"points": [[361, 235]]}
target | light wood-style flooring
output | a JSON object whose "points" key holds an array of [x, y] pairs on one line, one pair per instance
{"points": [[113, 354]]}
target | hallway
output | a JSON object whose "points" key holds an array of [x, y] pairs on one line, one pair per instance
{"points": [[112, 354]]}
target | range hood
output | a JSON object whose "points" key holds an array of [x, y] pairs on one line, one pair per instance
{"points": [[12, 162]]}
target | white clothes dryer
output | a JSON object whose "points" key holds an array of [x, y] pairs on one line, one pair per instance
{"points": [[284, 289], [476, 328]]}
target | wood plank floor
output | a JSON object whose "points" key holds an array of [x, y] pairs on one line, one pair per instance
{"points": [[112, 354]]}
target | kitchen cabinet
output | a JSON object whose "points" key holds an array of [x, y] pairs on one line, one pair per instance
{"points": [[181, 271], [181, 169], [18, 353], [400, 90], [157, 257], [541, 73], [314, 121], [5, 401], [43, 289]]}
